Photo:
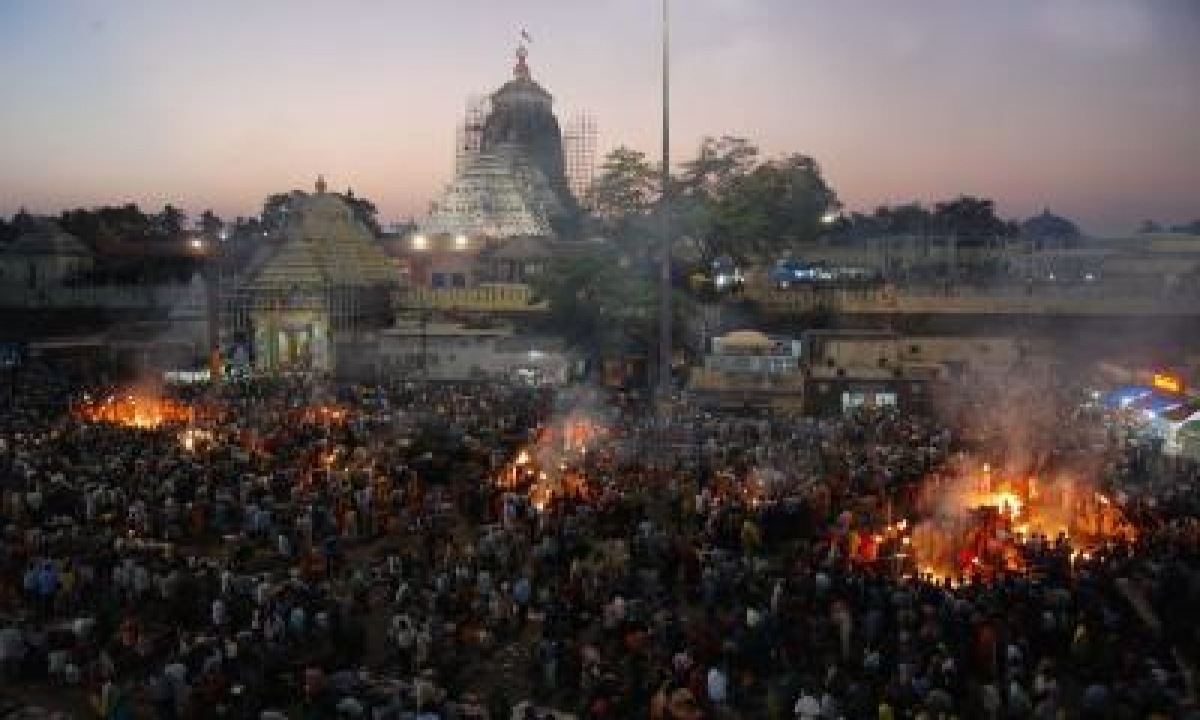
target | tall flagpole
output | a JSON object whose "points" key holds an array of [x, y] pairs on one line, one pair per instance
{"points": [[664, 340]]}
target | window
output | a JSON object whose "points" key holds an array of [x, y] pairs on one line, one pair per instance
{"points": [[914, 349], [459, 280], [438, 280]]}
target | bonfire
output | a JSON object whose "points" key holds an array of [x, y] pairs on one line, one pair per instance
{"points": [[548, 468], [134, 410], [979, 524]]}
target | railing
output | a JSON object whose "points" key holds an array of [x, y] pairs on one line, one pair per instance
{"points": [[964, 300], [486, 297]]}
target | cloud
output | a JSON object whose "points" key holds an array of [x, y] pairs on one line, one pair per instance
{"points": [[1099, 27]]}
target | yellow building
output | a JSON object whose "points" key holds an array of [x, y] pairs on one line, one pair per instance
{"points": [[324, 283]]}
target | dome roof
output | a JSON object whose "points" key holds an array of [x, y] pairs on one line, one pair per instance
{"points": [[521, 90], [746, 339], [49, 239], [323, 244]]}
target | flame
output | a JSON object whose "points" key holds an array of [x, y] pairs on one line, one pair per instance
{"points": [[132, 410], [547, 469], [954, 540], [1008, 503]]}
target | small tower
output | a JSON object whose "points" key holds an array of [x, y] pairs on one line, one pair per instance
{"points": [[320, 184], [521, 71]]}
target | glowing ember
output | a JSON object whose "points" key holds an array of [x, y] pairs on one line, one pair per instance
{"points": [[134, 411]]}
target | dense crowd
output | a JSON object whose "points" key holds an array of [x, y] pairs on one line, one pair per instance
{"points": [[325, 552]]}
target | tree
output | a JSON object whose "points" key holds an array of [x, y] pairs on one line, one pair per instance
{"points": [[779, 204], [703, 182], [600, 305], [717, 164], [970, 219], [626, 186], [209, 225], [22, 222], [170, 222], [83, 224], [909, 219]]}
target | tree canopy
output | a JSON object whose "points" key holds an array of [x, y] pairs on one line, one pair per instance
{"points": [[602, 304], [210, 225], [626, 187], [124, 223], [728, 200], [968, 218]]}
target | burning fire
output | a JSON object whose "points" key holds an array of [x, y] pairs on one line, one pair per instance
{"points": [[547, 469], [134, 411], [979, 526]]}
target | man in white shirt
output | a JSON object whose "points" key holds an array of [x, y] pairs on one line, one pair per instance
{"points": [[718, 686]]}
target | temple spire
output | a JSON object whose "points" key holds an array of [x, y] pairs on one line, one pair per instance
{"points": [[521, 71]]}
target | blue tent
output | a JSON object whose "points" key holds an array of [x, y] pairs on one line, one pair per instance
{"points": [[1126, 395]]}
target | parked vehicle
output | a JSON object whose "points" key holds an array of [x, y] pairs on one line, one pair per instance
{"points": [[791, 273], [721, 276], [787, 273]]}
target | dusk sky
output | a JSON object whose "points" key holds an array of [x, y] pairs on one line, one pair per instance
{"points": [[1089, 107]]}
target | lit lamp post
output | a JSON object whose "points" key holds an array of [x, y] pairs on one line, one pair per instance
{"points": [[211, 273], [420, 243]]}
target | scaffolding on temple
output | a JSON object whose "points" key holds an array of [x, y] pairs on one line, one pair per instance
{"points": [[579, 150], [470, 132]]}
